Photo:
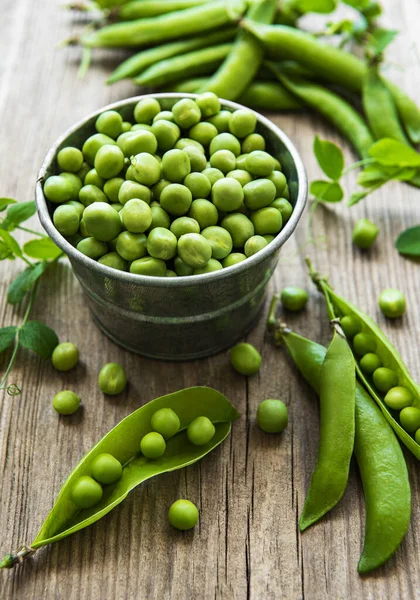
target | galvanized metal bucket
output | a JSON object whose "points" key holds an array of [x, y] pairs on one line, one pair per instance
{"points": [[176, 318]]}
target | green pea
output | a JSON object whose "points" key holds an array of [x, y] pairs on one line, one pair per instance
{"points": [[410, 419], [224, 160], [203, 133], [242, 122], [141, 127], [75, 182], [92, 145], [181, 268], [175, 165], [350, 325], [117, 206], [239, 227], [66, 402], [209, 104], [159, 187], [259, 193], [146, 168], [267, 220], [385, 379], [112, 188], [161, 243], [268, 238], [392, 303], [135, 142], [133, 189], [279, 180], [70, 159], [86, 492], [364, 343], [106, 469], [260, 163], [131, 246], [369, 363], [194, 250], [399, 397], [221, 120], [136, 216], [112, 379], [57, 189], [66, 219], [90, 194], [153, 445], [227, 194], [114, 260], [294, 298], [220, 240], [166, 115], [146, 109], [184, 143], [83, 171], [204, 212], [241, 162], [102, 221], [209, 267], [82, 229], [166, 133], [240, 175], [213, 174], [198, 184], [183, 515], [245, 359], [233, 259], [272, 416], [225, 141], [253, 141], [92, 248], [284, 207], [198, 160], [200, 431], [286, 193], [184, 225], [186, 113], [170, 273], [254, 244], [65, 356], [110, 123], [109, 161], [176, 199], [126, 126], [148, 265], [160, 218], [365, 233], [166, 422]]}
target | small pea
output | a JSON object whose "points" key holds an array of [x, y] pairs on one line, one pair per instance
{"points": [[112, 379], [161, 243], [200, 431], [350, 325], [146, 168], [392, 303], [242, 122], [153, 445], [113, 260], [86, 492], [57, 189], [364, 343], [294, 298], [365, 233], [233, 259], [110, 123], [186, 113], [284, 207], [166, 422], [399, 397], [146, 109], [254, 244], [245, 359], [70, 159], [385, 379], [65, 356], [369, 363], [208, 103], [410, 419], [253, 141], [66, 402], [183, 515], [272, 416], [212, 265], [154, 267], [106, 469]]}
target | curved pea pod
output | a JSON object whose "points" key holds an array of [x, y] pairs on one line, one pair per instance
{"points": [[379, 456], [123, 442]]}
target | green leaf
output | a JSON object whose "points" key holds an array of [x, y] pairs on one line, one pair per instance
{"points": [[392, 153], [5, 252], [24, 281], [11, 243], [317, 6], [330, 158], [7, 335], [38, 337], [376, 174], [327, 191], [4, 203], [356, 197], [123, 443], [43, 249], [379, 39], [20, 212], [357, 4], [408, 242]]}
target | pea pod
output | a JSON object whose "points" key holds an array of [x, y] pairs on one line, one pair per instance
{"points": [[143, 9], [338, 307], [379, 456], [123, 442]]}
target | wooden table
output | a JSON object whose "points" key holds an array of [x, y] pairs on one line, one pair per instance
{"points": [[250, 491]]}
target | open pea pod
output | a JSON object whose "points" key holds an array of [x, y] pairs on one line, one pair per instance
{"points": [[123, 442]]}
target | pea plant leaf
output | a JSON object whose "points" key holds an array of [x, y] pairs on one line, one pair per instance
{"points": [[43, 249], [11, 243], [38, 337], [18, 213], [391, 153], [5, 202], [5, 252], [379, 39], [408, 242], [24, 281], [356, 197], [327, 191], [330, 158], [357, 4], [7, 335]]}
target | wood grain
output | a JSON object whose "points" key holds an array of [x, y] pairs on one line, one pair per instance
{"points": [[250, 491]]}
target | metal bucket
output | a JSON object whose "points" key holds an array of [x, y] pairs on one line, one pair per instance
{"points": [[176, 318]]}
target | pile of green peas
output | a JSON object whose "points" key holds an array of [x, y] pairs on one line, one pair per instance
{"points": [[106, 469], [177, 192], [386, 381]]}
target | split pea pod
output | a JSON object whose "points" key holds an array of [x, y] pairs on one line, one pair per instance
{"points": [[379, 366], [335, 65], [123, 444], [245, 58], [135, 64], [193, 63], [144, 32], [382, 466], [332, 107], [143, 9]]}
